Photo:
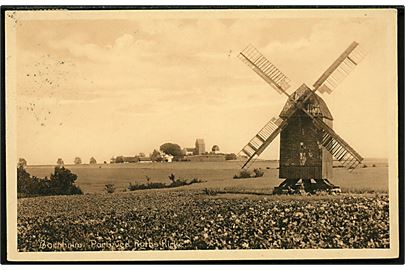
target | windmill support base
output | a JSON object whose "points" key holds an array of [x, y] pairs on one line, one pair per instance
{"points": [[303, 186]]}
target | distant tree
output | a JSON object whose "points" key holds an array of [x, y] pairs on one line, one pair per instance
{"points": [[230, 156], [171, 149], [141, 154], [60, 162], [22, 162], [119, 159], [156, 156], [77, 161], [112, 160], [215, 148], [105, 162], [93, 160]]}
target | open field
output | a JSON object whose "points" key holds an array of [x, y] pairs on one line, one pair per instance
{"points": [[218, 175], [167, 220], [188, 217]]}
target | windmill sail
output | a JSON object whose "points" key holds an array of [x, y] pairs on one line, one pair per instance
{"points": [[340, 149], [261, 140], [339, 69], [265, 69]]}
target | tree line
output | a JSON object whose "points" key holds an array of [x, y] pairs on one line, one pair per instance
{"points": [[172, 149], [60, 182]]}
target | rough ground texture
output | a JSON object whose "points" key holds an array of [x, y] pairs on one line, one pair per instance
{"points": [[164, 220]]}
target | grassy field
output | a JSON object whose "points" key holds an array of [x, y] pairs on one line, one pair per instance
{"points": [[218, 176]]}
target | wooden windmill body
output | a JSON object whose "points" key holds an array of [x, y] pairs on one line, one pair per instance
{"points": [[308, 144]]}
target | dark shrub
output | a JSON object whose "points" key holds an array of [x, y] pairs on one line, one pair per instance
{"points": [[258, 172], [61, 182], [172, 177], [210, 192], [174, 183], [110, 188], [135, 186], [242, 174], [195, 180]]}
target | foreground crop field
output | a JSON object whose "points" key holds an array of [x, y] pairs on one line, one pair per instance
{"points": [[179, 219], [218, 175]]}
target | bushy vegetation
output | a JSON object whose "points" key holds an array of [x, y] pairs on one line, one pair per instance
{"points": [[210, 192], [155, 156], [242, 174], [230, 156], [61, 182], [110, 188], [186, 221], [257, 172], [175, 182]]}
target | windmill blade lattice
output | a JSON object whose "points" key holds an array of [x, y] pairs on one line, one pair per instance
{"points": [[340, 149], [261, 140], [340, 69], [265, 69]]}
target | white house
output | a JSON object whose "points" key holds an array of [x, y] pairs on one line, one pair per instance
{"points": [[167, 158]]}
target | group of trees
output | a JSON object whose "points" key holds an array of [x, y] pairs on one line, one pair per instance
{"points": [[156, 156], [61, 182], [122, 159], [172, 149], [76, 161]]}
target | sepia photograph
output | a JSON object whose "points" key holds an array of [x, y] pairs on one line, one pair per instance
{"points": [[201, 134]]}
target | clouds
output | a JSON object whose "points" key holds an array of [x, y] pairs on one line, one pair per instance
{"points": [[155, 75]]}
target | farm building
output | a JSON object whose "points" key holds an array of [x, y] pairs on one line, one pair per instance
{"points": [[130, 159], [211, 158], [188, 151], [145, 160], [166, 157]]}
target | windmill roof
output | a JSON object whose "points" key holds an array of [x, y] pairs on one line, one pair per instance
{"points": [[316, 100]]}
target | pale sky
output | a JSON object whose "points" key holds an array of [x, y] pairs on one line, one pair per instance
{"points": [[107, 86]]}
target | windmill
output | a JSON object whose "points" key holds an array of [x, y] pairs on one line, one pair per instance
{"points": [[308, 143]]}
